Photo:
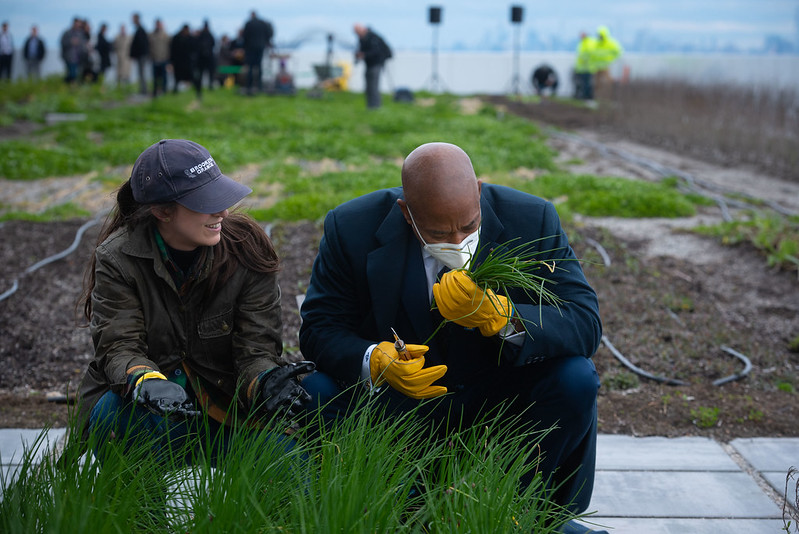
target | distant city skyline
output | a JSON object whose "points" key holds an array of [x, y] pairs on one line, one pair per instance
{"points": [[470, 25]]}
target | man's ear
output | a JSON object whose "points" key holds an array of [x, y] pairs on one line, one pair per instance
{"points": [[404, 207]]}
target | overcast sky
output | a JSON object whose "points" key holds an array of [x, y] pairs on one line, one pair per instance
{"points": [[404, 23]]}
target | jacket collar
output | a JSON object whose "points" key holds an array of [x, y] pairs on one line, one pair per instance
{"points": [[141, 244]]}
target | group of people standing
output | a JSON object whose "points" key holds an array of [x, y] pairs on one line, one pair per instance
{"points": [[193, 55], [85, 59], [594, 57], [33, 52], [187, 56]]}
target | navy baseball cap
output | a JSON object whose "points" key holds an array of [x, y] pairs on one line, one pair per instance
{"points": [[178, 170]]}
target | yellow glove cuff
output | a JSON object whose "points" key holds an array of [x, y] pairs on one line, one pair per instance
{"points": [[146, 376]]}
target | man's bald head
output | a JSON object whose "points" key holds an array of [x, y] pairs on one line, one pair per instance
{"points": [[441, 189], [438, 170]]}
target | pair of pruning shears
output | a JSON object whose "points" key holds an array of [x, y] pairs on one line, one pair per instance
{"points": [[399, 346]]}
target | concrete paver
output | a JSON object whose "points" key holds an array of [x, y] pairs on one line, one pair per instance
{"points": [[655, 485], [14, 442], [690, 484]]}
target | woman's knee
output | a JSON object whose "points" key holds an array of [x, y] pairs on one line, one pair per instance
{"points": [[107, 411]]}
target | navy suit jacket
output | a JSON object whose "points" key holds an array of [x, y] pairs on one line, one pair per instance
{"points": [[369, 277]]}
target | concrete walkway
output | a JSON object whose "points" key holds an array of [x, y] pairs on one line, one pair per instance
{"points": [[643, 485]]}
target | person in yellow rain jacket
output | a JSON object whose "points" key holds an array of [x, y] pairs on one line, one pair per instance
{"points": [[584, 68], [606, 51]]}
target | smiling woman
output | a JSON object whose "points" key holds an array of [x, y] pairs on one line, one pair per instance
{"points": [[184, 310]]}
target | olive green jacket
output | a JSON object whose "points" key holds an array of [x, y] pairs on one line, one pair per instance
{"points": [[139, 321]]}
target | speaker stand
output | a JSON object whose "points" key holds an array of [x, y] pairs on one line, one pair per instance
{"points": [[435, 84], [515, 82]]}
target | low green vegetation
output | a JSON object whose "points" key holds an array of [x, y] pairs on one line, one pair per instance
{"points": [[31, 101], [705, 416], [311, 154], [240, 131], [287, 137], [775, 235], [61, 212], [608, 196], [367, 474], [621, 381]]}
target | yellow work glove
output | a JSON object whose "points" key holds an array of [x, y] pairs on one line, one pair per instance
{"points": [[409, 377], [460, 300]]}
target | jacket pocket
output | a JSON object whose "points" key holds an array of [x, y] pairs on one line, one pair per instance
{"points": [[215, 326]]}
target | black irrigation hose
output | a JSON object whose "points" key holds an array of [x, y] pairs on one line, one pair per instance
{"points": [[637, 370], [55, 257], [735, 376], [665, 380], [599, 248]]}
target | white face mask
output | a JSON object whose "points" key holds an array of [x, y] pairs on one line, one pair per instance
{"points": [[452, 255]]}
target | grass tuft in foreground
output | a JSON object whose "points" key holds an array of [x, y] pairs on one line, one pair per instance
{"points": [[363, 474]]}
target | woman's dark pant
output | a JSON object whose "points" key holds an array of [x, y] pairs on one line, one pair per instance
{"points": [[116, 419]]}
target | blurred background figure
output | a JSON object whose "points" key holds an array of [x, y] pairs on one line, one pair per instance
{"points": [[6, 52], [584, 68], [257, 37], [121, 51], [374, 52], [139, 51], [103, 49], [88, 73], [224, 59], [606, 51], [159, 42], [206, 56], [33, 52], [74, 46], [183, 56], [545, 77]]}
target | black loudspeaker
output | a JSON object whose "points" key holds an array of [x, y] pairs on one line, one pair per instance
{"points": [[435, 15], [516, 14]]}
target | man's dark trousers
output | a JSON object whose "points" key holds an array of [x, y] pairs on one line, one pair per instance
{"points": [[373, 97]]}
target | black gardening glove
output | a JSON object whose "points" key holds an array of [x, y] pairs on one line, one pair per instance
{"points": [[280, 390], [163, 397]]}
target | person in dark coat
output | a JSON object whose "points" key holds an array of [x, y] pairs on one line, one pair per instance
{"points": [[257, 37], [139, 51], [103, 49], [6, 52], [374, 52], [206, 56], [183, 56], [376, 270], [34, 51], [545, 78], [74, 47]]}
